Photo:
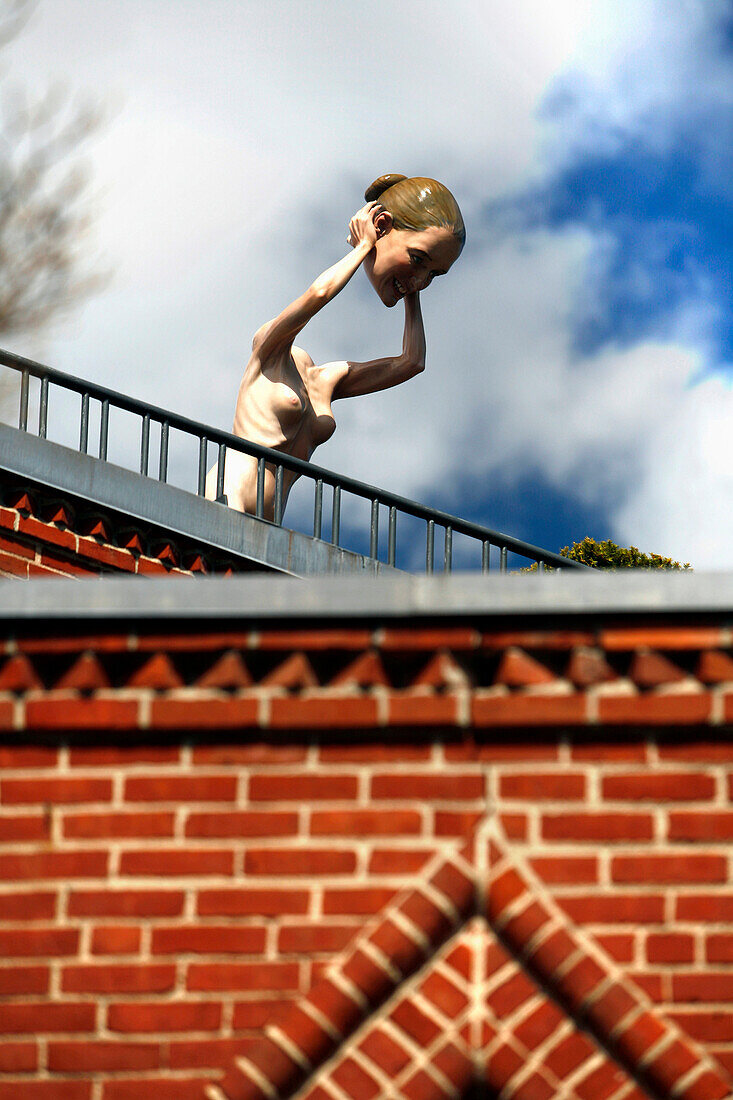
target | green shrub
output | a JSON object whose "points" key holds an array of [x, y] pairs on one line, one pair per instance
{"points": [[607, 555]]}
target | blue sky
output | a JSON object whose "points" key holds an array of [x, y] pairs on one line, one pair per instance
{"points": [[579, 353], [659, 197]]}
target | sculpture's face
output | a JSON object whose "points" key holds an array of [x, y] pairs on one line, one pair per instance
{"points": [[404, 261]]}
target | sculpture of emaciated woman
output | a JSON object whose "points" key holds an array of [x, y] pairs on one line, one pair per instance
{"points": [[410, 231]]}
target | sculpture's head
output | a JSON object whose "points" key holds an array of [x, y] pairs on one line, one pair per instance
{"points": [[421, 234]]}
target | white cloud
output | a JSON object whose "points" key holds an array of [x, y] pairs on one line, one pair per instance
{"points": [[231, 119], [682, 502]]}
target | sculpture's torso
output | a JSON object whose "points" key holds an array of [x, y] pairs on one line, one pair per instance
{"points": [[284, 404]]}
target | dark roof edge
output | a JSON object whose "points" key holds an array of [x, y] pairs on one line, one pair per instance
{"points": [[556, 596]]}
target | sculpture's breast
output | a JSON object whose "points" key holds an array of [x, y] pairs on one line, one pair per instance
{"points": [[324, 426], [287, 404]]}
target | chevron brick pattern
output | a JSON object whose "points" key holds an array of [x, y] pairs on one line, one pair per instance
{"points": [[518, 999]]}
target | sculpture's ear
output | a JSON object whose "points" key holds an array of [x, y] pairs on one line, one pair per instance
{"points": [[383, 222]]}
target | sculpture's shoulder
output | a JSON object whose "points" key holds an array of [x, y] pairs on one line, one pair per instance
{"points": [[302, 359]]}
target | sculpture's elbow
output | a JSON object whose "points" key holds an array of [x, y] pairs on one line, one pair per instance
{"points": [[319, 293], [415, 367], [259, 336]]}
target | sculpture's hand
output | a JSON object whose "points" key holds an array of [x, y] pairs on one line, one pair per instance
{"points": [[362, 227]]}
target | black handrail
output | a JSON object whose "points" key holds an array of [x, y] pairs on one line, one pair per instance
{"points": [[266, 455]]}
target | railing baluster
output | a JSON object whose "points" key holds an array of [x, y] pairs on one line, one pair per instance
{"points": [[43, 410], [392, 541], [318, 509], [163, 463], [23, 412], [430, 546], [503, 560], [260, 508], [279, 477], [84, 424], [104, 430], [374, 530], [220, 470], [336, 515], [145, 445], [448, 557], [203, 448], [485, 556]]}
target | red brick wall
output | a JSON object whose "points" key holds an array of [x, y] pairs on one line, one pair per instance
{"points": [[44, 537], [193, 826]]}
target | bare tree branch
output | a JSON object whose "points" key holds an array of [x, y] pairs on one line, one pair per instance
{"points": [[44, 201]]}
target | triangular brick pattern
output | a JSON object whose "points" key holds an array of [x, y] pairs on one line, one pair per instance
{"points": [[476, 977], [369, 679], [43, 537]]}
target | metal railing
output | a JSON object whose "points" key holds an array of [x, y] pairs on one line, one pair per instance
{"points": [[484, 537]]}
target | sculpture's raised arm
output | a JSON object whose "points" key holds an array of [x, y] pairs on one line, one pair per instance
{"points": [[280, 333], [350, 379]]}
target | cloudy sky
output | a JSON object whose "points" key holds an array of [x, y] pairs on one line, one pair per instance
{"points": [[579, 353]]}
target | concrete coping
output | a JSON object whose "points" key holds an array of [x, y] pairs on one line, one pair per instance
{"points": [[552, 596]]}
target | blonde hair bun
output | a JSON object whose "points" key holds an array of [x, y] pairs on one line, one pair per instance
{"points": [[374, 190], [418, 203]]}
